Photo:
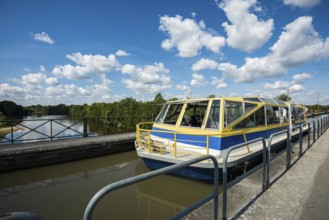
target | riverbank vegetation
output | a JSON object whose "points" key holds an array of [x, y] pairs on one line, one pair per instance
{"points": [[122, 114]]}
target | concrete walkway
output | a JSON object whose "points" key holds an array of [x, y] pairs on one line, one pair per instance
{"points": [[302, 192]]}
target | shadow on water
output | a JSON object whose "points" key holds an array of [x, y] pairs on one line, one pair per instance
{"points": [[63, 191]]}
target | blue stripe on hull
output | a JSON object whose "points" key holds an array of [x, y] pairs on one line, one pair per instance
{"points": [[217, 143], [202, 174]]}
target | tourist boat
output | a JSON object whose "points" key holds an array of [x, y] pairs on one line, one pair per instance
{"points": [[190, 128]]}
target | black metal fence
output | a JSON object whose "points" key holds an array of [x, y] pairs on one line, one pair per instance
{"points": [[27, 130]]}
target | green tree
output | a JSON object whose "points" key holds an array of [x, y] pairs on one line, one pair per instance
{"points": [[284, 97], [9, 108]]}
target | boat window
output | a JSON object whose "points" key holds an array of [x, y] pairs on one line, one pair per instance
{"points": [[161, 114], [280, 102], [248, 107], [213, 118], [297, 113], [233, 111], [252, 99], [255, 119], [283, 114], [173, 113], [269, 101], [272, 115], [194, 114]]}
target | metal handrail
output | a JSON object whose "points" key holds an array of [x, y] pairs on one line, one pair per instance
{"points": [[269, 158], [50, 136], [126, 182], [227, 185], [174, 139]]}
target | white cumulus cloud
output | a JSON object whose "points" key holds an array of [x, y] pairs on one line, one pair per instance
{"points": [[300, 78], [146, 79], [198, 80], [33, 78], [43, 37], [302, 3], [205, 64], [277, 85], [218, 82], [184, 87], [188, 36], [86, 64], [298, 43], [121, 53], [245, 30]]}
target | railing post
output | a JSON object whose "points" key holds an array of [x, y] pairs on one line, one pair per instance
{"points": [[313, 131], [224, 211], [318, 128], [175, 145], [288, 161], [85, 126], [149, 141], [300, 140], [51, 129], [207, 144], [308, 134], [12, 134]]}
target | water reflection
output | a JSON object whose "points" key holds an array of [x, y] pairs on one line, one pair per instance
{"points": [[63, 191]]}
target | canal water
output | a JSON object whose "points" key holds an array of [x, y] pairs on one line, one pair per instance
{"points": [[63, 191]]}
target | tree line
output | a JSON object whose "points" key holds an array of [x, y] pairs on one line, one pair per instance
{"points": [[123, 114], [125, 111]]}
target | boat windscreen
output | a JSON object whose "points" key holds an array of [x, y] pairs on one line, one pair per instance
{"points": [[214, 115], [194, 114], [173, 113], [233, 111], [162, 114]]}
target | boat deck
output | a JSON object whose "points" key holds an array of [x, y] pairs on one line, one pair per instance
{"points": [[165, 152]]}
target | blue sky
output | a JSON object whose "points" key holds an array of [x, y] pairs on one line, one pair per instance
{"points": [[77, 52]]}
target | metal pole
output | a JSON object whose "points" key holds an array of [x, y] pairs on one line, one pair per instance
{"points": [[85, 127], [288, 154], [224, 208], [12, 134], [313, 131], [300, 140], [51, 129], [308, 134]]}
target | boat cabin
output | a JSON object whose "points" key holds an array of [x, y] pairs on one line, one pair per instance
{"points": [[222, 115]]}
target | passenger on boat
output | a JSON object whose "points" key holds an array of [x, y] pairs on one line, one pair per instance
{"points": [[249, 122], [193, 122]]}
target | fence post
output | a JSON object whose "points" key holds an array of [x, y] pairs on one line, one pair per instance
{"points": [[224, 207], [318, 128], [12, 134], [308, 134], [313, 132], [51, 129], [85, 126], [300, 140], [288, 161]]}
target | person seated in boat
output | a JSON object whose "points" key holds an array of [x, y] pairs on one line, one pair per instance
{"points": [[193, 122], [250, 123]]}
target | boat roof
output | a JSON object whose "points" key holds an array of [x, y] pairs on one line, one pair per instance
{"points": [[270, 101]]}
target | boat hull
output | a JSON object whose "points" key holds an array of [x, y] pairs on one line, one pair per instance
{"points": [[195, 173]]}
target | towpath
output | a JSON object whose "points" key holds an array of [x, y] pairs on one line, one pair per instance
{"points": [[301, 193]]}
